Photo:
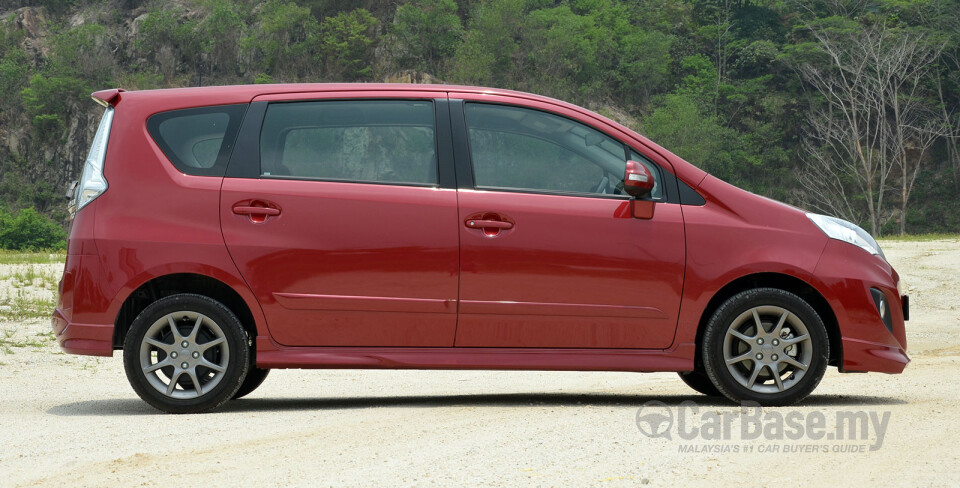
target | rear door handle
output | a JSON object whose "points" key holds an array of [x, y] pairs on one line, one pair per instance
{"points": [[242, 210], [489, 224]]}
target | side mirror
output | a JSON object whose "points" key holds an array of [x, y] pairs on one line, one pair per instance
{"points": [[638, 181]]}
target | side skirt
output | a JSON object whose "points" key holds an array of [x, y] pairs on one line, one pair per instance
{"points": [[271, 355]]}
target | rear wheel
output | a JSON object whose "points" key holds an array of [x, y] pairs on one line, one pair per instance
{"points": [[186, 353], [767, 346]]}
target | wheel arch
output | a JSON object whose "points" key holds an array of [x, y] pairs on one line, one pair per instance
{"points": [[780, 281], [172, 284]]}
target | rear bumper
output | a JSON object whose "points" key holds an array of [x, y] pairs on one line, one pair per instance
{"points": [[87, 339]]}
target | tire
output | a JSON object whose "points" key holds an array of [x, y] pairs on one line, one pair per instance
{"points": [[254, 379], [699, 382], [780, 365], [186, 353]]}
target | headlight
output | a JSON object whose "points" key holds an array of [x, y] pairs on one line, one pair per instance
{"points": [[842, 230]]}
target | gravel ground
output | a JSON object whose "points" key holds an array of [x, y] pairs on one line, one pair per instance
{"points": [[72, 420]]}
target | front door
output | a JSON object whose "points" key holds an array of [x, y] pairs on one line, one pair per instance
{"points": [[550, 255], [345, 235]]}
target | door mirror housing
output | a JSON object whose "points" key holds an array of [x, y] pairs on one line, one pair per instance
{"points": [[638, 181]]}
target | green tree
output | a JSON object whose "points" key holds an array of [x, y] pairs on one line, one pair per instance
{"points": [[679, 125], [28, 230], [44, 99], [285, 41], [425, 33], [643, 66], [489, 52], [346, 41], [13, 75], [220, 33], [562, 52], [83, 52], [167, 37]]}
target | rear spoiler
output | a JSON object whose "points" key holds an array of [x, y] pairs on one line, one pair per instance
{"points": [[107, 97]]}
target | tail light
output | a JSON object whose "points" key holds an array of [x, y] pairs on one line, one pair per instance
{"points": [[92, 182]]}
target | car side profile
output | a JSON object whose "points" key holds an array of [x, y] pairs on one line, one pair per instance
{"points": [[221, 232]]}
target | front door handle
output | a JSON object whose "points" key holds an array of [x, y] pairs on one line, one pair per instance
{"points": [[489, 224], [245, 210]]}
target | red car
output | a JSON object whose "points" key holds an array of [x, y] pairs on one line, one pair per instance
{"points": [[221, 232]]}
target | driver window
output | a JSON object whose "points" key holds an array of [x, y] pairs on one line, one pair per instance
{"points": [[520, 148]]}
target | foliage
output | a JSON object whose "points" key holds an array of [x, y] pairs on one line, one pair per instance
{"points": [[14, 69], [219, 36], [426, 32], [720, 83], [346, 41], [285, 40], [28, 230], [44, 98], [83, 52]]}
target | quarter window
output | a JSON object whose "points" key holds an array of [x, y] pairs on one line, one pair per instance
{"points": [[385, 141], [198, 141]]}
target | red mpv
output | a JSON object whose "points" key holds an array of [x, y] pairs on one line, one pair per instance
{"points": [[221, 232]]}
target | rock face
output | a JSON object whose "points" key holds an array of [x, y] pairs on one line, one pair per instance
{"points": [[34, 172], [32, 22]]}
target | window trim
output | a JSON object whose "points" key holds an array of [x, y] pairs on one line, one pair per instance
{"points": [[560, 193], [345, 180]]}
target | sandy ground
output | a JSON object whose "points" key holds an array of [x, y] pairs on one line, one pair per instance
{"points": [[70, 420]]}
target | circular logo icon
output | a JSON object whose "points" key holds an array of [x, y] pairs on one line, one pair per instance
{"points": [[654, 419]]}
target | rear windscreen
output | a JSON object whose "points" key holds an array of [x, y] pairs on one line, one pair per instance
{"points": [[198, 141]]}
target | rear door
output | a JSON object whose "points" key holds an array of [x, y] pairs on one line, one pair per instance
{"points": [[550, 254], [335, 213]]}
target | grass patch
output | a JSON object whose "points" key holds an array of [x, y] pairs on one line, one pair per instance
{"points": [[40, 339], [23, 305], [920, 238], [28, 284], [23, 257]]}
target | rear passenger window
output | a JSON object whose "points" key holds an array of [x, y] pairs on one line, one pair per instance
{"points": [[197, 141], [383, 141]]}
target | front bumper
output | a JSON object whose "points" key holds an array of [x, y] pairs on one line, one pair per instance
{"points": [[861, 356], [847, 275]]}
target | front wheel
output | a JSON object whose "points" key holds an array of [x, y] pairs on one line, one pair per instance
{"points": [[767, 346], [186, 353], [254, 379]]}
